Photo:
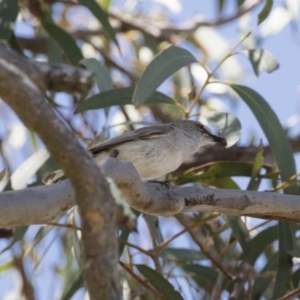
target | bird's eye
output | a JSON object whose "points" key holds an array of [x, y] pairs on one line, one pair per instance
{"points": [[201, 126]]}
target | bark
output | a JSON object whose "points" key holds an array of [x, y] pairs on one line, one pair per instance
{"points": [[42, 204], [22, 85]]}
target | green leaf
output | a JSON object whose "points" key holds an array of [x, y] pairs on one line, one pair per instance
{"points": [[228, 126], [105, 4], [279, 143], [125, 232], [97, 11], [220, 5], [120, 96], [261, 241], [18, 235], [240, 231], [222, 183], [14, 44], [153, 226], [257, 166], [261, 283], [283, 277], [296, 278], [102, 74], [218, 170], [240, 2], [182, 255], [163, 65], [8, 13], [74, 283], [261, 60], [65, 41], [204, 276], [40, 235], [265, 11], [159, 282], [54, 53], [6, 266]]}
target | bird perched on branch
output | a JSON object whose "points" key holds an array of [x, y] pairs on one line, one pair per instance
{"points": [[154, 150]]}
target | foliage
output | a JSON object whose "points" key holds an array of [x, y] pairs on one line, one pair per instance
{"points": [[149, 69]]}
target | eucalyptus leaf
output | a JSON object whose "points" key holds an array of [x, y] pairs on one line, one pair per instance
{"points": [[18, 235], [182, 254], [120, 96], [65, 41], [204, 276], [103, 79], [159, 282], [240, 231], [101, 15], [257, 166], [276, 135], [9, 11], [228, 126], [261, 60], [283, 275], [163, 65], [262, 283], [265, 11]]}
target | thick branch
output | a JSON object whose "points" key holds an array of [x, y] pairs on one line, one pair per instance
{"points": [[22, 85], [42, 204]]}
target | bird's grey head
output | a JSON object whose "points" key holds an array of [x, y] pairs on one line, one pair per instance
{"points": [[203, 133]]}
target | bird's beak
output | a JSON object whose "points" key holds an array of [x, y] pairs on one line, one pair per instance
{"points": [[218, 139]]}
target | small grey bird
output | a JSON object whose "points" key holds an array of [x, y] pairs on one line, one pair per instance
{"points": [[154, 150]]}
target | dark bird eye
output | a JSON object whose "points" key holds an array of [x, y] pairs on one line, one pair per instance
{"points": [[201, 126]]}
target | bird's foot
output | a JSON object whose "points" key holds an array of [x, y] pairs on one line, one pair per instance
{"points": [[164, 183]]}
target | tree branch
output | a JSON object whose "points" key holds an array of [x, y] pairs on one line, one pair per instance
{"points": [[22, 85], [42, 204]]}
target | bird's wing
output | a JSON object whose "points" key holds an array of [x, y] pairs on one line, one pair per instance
{"points": [[145, 133]]}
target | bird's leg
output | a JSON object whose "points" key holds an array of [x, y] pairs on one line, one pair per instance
{"points": [[114, 153], [165, 183]]}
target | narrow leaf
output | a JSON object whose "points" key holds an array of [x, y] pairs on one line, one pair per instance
{"points": [[261, 60], [265, 11], [163, 65], [18, 235], [228, 126], [240, 231], [65, 41], [218, 170], [6, 266], [220, 5], [181, 254], [261, 283], [74, 283], [15, 44], [279, 143], [102, 74], [8, 13], [120, 96], [261, 241], [204, 276], [257, 166], [283, 276], [97, 11], [159, 282]]}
